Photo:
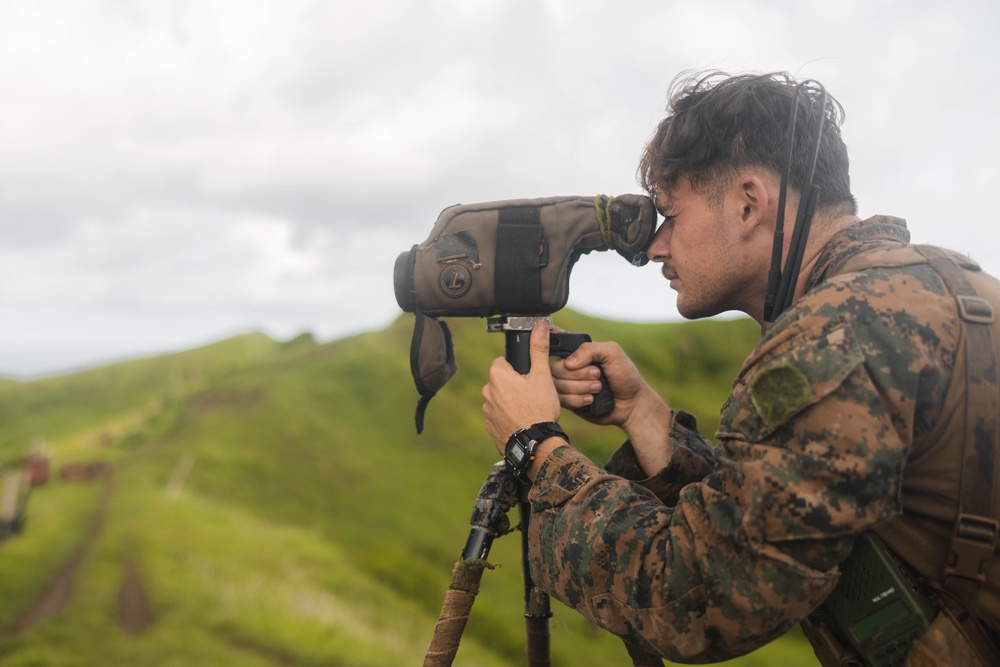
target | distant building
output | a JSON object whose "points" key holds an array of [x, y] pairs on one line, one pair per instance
{"points": [[36, 465]]}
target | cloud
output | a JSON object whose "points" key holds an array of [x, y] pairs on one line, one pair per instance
{"points": [[177, 171]]}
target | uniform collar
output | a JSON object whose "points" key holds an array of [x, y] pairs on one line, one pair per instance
{"points": [[876, 231]]}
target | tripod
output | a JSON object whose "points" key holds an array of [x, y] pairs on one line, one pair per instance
{"points": [[499, 493]]}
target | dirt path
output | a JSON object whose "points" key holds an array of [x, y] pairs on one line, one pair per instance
{"points": [[135, 613], [60, 591]]}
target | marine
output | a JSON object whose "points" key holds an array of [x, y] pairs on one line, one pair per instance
{"points": [[869, 404]]}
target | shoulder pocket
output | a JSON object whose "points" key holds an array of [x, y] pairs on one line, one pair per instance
{"points": [[785, 375]]}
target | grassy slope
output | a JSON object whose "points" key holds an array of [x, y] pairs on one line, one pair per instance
{"points": [[315, 527]]}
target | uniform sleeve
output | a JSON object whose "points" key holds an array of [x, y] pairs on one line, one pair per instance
{"points": [[807, 459]]}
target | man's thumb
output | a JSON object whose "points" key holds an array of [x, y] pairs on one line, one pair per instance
{"points": [[540, 347]]}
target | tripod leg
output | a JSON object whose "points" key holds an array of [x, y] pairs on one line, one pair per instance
{"points": [[455, 613], [536, 603], [489, 520]]}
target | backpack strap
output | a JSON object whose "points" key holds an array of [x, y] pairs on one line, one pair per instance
{"points": [[975, 536]]}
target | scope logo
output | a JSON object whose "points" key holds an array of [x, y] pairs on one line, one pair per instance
{"points": [[455, 280]]}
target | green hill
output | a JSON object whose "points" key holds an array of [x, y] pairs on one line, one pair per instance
{"points": [[270, 503]]}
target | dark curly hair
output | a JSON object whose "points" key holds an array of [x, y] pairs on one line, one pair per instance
{"points": [[718, 124]]}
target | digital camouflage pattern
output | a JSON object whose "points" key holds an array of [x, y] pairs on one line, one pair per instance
{"points": [[730, 546]]}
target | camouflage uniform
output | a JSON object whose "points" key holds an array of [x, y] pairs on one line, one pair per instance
{"points": [[728, 547]]}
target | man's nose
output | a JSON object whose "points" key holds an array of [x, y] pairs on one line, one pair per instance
{"points": [[659, 248]]}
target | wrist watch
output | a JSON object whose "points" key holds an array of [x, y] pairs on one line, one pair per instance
{"points": [[520, 451]]}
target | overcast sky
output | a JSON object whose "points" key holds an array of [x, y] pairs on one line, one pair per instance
{"points": [[174, 172]]}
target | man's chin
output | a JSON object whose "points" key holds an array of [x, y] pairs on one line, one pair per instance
{"points": [[694, 311]]}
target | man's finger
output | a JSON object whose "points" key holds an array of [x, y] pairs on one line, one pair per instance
{"points": [[540, 347], [581, 357]]}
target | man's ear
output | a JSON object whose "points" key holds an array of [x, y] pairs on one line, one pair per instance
{"points": [[756, 202]]}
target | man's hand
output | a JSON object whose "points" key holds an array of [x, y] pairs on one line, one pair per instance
{"points": [[576, 380], [639, 410], [512, 401]]}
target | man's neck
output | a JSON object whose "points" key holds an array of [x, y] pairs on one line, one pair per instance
{"points": [[822, 229]]}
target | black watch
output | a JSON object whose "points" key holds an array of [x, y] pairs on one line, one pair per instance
{"points": [[520, 450]]}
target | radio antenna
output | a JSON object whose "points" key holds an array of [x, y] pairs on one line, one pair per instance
{"points": [[781, 283]]}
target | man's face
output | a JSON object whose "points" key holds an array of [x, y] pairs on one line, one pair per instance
{"points": [[702, 252]]}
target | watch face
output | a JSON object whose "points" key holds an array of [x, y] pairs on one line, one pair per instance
{"points": [[517, 453]]}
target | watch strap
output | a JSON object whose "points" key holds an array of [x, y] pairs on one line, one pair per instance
{"points": [[543, 430], [527, 440]]}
